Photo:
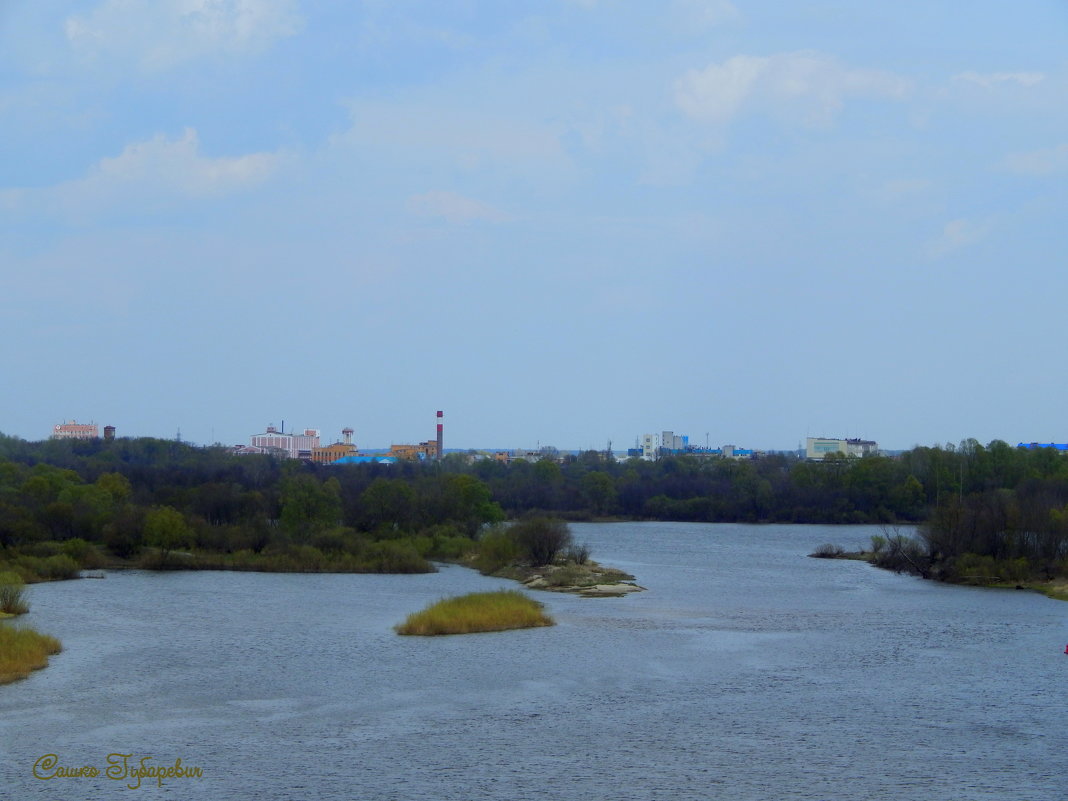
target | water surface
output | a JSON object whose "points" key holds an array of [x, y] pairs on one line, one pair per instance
{"points": [[747, 671]]}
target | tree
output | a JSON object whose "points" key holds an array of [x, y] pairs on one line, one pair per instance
{"points": [[540, 539], [599, 490], [166, 529], [308, 506]]}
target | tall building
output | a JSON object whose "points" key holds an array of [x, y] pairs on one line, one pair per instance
{"points": [[75, 430], [649, 447]]}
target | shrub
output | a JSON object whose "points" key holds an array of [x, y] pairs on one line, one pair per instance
{"points": [[476, 612], [446, 547], [496, 549], [540, 539], [579, 554], [84, 553], [390, 556]]}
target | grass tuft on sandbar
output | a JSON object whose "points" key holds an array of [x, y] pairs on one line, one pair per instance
{"points": [[23, 650], [479, 611]]}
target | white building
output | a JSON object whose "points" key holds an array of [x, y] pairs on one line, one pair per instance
{"points": [[295, 446], [818, 447], [649, 447]]}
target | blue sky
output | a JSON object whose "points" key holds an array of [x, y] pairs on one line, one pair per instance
{"points": [[560, 221]]}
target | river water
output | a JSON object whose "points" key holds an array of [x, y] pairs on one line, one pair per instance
{"points": [[746, 671]]}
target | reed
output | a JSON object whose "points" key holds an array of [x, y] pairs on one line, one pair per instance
{"points": [[477, 612], [12, 599], [23, 650]]}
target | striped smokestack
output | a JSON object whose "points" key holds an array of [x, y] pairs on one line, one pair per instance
{"points": [[440, 439]]}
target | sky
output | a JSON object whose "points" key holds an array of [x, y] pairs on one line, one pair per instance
{"points": [[562, 222]]}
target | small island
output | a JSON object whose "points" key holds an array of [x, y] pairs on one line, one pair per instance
{"points": [[477, 612], [540, 553]]}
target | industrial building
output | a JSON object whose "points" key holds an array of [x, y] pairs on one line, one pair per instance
{"points": [[293, 446], [819, 447], [75, 430], [329, 454]]}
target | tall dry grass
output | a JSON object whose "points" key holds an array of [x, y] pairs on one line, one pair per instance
{"points": [[476, 612], [12, 598], [23, 650]]}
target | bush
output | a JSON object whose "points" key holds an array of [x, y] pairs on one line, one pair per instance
{"points": [[390, 556], [84, 553], [496, 549], [579, 554], [540, 539]]}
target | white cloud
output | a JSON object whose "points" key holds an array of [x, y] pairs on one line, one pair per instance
{"points": [[158, 34], [994, 79], [147, 174], [454, 208], [803, 85], [956, 234], [1040, 162]]}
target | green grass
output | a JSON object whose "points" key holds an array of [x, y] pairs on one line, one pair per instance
{"points": [[23, 650], [478, 611]]}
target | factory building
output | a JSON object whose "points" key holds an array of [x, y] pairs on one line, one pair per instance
{"points": [[75, 430], [819, 447], [294, 446], [339, 450]]}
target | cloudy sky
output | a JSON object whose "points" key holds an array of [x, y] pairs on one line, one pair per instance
{"points": [[560, 221]]}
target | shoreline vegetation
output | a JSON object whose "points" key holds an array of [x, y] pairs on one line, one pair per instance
{"points": [[477, 612], [901, 554], [22, 649], [992, 514]]}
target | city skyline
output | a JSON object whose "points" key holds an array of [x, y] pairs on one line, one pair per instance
{"points": [[565, 222]]}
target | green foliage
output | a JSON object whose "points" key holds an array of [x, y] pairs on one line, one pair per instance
{"points": [[166, 529], [309, 505], [496, 549], [103, 497], [394, 556]]}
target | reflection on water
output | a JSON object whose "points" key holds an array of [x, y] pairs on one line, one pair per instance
{"points": [[747, 671]]}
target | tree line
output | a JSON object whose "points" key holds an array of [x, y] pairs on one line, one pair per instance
{"points": [[132, 497]]}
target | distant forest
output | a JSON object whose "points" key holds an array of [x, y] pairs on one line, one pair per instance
{"points": [[64, 499]]}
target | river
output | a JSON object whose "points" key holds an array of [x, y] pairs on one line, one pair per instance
{"points": [[746, 671]]}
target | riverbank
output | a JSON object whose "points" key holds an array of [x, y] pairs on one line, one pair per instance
{"points": [[1055, 588]]}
